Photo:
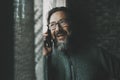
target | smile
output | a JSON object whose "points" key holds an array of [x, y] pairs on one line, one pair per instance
{"points": [[60, 37]]}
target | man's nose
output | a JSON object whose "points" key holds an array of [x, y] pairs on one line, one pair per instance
{"points": [[58, 27]]}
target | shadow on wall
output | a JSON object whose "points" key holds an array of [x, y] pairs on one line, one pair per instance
{"points": [[96, 21], [7, 53], [83, 21]]}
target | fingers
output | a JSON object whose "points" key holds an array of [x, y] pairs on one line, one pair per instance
{"points": [[46, 50], [45, 35], [46, 40]]}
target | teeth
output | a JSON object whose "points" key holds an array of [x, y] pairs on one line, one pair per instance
{"points": [[60, 35]]}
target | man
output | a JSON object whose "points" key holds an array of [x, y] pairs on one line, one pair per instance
{"points": [[89, 63], [59, 27]]}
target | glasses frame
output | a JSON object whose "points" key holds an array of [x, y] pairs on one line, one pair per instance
{"points": [[61, 23]]}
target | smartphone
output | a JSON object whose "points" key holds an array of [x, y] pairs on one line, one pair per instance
{"points": [[47, 59], [48, 42]]}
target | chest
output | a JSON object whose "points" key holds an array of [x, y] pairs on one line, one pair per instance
{"points": [[87, 68]]}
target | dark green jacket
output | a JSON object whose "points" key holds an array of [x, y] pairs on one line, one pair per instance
{"points": [[87, 64]]}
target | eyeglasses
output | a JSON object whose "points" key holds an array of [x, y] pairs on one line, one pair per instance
{"points": [[61, 23]]}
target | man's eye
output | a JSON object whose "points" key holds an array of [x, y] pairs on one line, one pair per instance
{"points": [[52, 24], [63, 23]]}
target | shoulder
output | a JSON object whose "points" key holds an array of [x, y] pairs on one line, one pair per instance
{"points": [[110, 62]]}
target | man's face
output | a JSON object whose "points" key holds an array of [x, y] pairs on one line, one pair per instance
{"points": [[59, 27]]}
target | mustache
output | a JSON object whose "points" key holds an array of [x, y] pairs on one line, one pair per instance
{"points": [[61, 32]]}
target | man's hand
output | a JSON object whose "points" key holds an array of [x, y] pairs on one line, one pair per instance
{"points": [[46, 50]]}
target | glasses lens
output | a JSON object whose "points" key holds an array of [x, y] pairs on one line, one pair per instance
{"points": [[52, 25], [63, 22]]}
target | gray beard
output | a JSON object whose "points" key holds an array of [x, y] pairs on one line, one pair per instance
{"points": [[61, 46]]}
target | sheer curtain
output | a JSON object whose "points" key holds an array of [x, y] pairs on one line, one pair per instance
{"points": [[24, 40]]}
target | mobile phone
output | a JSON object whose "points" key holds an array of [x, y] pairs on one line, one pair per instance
{"points": [[48, 42]]}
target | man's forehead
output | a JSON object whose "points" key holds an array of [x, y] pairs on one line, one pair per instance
{"points": [[56, 16]]}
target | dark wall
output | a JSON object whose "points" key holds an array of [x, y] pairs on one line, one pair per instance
{"points": [[108, 25], [83, 20], [6, 39], [98, 21]]}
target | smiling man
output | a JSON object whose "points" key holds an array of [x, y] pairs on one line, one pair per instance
{"points": [[88, 63], [57, 42], [59, 26]]}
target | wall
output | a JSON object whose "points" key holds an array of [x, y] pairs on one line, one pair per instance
{"points": [[99, 20]]}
